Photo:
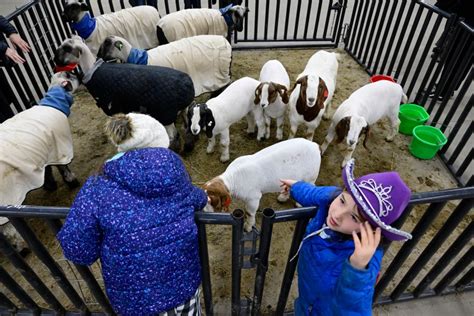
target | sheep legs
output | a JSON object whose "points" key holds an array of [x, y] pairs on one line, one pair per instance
{"points": [[267, 126], [175, 143], [329, 138], [224, 141], [394, 123], [251, 210], [68, 176], [250, 123], [279, 124]]}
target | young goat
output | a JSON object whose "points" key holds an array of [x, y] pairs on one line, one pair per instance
{"points": [[192, 22], [313, 92], [123, 88], [31, 141], [219, 113], [247, 178], [138, 24], [272, 95], [363, 108], [205, 58]]}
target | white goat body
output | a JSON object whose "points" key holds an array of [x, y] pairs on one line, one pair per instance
{"points": [[248, 177], [137, 25], [235, 102], [364, 107], [323, 66], [273, 71], [205, 58]]}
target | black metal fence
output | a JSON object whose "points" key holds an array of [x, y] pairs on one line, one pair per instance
{"points": [[450, 272], [285, 23], [427, 51]]}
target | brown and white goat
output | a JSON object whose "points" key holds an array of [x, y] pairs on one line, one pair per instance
{"points": [[247, 178], [312, 93], [363, 108], [272, 95]]}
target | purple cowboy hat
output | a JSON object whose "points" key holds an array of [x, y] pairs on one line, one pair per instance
{"points": [[381, 197]]}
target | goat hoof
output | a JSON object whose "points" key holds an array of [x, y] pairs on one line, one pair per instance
{"points": [[73, 184], [389, 139], [224, 158], [50, 186]]}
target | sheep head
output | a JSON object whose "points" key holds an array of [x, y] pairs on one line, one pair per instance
{"points": [[200, 117], [238, 14], [69, 52], [114, 48], [74, 10], [267, 92], [66, 80]]}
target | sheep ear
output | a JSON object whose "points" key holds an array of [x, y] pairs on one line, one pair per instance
{"points": [[342, 128], [283, 91], [210, 123], [258, 91], [118, 45]]}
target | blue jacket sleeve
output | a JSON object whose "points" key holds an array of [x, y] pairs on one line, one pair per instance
{"points": [[355, 288], [308, 194], [81, 236]]}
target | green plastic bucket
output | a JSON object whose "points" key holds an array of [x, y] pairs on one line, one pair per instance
{"points": [[411, 115], [426, 142]]}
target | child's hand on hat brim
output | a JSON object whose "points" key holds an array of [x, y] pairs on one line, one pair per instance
{"points": [[366, 246]]}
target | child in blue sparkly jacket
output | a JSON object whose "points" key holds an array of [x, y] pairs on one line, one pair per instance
{"points": [[137, 216], [340, 257]]}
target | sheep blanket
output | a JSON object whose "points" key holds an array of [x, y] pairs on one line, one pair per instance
{"points": [[123, 88], [29, 141], [205, 58], [192, 22], [137, 25]]}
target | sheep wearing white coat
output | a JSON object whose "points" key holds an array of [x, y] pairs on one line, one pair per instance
{"points": [[364, 107], [217, 115], [205, 58], [272, 95], [138, 25], [313, 92], [31, 141], [247, 178], [192, 22]]}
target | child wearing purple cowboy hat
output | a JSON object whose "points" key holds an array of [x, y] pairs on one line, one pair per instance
{"points": [[137, 216], [340, 257]]}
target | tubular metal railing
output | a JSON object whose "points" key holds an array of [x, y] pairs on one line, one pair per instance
{"points": [[450, 273], [405, 48]]}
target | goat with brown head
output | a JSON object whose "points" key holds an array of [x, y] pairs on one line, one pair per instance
{"points": [[219, 198]]}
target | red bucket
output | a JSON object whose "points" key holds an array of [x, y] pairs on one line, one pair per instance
{"points": [[375, 78]]}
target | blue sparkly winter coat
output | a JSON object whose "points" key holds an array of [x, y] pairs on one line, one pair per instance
{"points": [[138, 218], [327, 282]]}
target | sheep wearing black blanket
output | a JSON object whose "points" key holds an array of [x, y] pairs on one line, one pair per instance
{"points": [[123, 88]]}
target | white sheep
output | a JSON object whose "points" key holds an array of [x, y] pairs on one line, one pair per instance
{"points": [[138, 25], [219, 113], [364, 107], [135, 130], [31, 141], [272, 95], [313, 92], [247, 178], [205, 58], [192, 22]]}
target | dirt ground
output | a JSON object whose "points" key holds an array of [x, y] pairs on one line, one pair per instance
{"points": [[92, 149]]}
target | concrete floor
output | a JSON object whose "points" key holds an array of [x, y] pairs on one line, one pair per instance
{"points": [[452, 305]]}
